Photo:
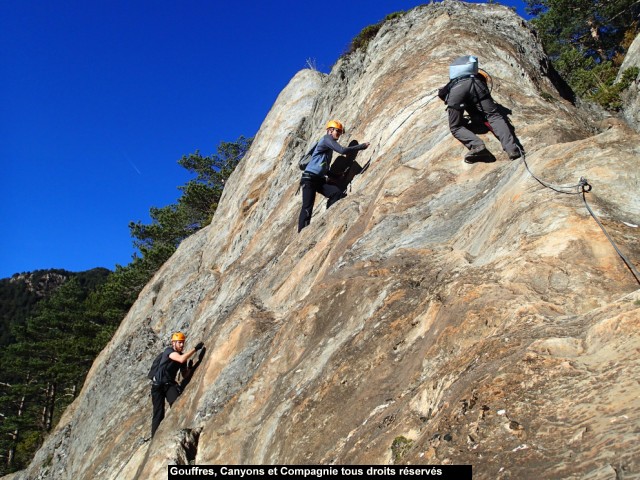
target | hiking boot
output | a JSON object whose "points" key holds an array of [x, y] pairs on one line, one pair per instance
{"points": [[514, 155], [476, 154]]}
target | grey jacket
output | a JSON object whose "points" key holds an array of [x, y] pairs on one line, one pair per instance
{"points": [[321, 157]]}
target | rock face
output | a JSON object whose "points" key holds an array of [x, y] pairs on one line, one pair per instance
{"points": [[440, 313], [631, 97], [41, 283]]}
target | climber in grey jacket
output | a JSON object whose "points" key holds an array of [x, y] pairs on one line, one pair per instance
{"points": [[314, 178], [468, 91]]}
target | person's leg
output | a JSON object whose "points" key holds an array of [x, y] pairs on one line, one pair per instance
{"points": [[332, 192], [484, 103], [308, 199], [172, 394], [459, 96], [458, 128], [157, 400], [500, 127]]}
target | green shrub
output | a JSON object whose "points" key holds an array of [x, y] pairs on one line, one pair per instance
{"points": [[400, 447], [608, 93], [594, 81], [368, 33]]}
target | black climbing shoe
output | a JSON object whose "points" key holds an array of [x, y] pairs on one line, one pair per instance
{"points": [[477, 154], [514, 155]]}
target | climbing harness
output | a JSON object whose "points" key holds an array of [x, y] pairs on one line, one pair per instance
{"points": [[583, 187]]}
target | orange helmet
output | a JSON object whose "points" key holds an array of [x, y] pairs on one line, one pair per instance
{"points": [[335, 124], [178, 337]]}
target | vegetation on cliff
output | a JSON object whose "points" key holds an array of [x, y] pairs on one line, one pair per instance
{"points": [[586, 42]]}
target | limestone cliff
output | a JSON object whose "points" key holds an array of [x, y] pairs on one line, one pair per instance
{"points": [[440, 313], [631, 97]]}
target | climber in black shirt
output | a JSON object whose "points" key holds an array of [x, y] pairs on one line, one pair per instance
{"points": [[164, 384]]}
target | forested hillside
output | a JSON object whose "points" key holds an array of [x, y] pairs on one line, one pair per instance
{"points": [[20, 294], [48, 344], [54, 322]]}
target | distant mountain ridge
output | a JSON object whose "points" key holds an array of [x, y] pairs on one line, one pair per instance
{"points": [[20, 293]]}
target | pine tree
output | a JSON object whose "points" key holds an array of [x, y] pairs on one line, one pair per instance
{"points": [[586, 42]]}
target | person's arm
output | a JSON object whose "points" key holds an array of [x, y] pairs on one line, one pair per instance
{"points": [[186, 370], [336, 147], [183, 357]]}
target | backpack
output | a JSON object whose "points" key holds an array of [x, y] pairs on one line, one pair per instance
{"points": [[463, 66], [443, 92], [306, 158], [157, 367]]}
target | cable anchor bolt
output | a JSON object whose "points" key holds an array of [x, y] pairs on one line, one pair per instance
{"points": [[584, 184]]}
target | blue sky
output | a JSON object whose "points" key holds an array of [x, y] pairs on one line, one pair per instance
{"points": [[101, 98]]}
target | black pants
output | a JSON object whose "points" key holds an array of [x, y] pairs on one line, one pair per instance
{"points": [[170, 391], [472, 94], [310, 185]]}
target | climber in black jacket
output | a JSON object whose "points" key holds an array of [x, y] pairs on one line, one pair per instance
{"points": [[164, 382]]}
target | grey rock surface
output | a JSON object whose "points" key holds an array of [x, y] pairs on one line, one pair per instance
{"points": [[631, 97]]}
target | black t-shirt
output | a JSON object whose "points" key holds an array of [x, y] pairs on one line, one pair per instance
{"points": [[168, 367]]}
